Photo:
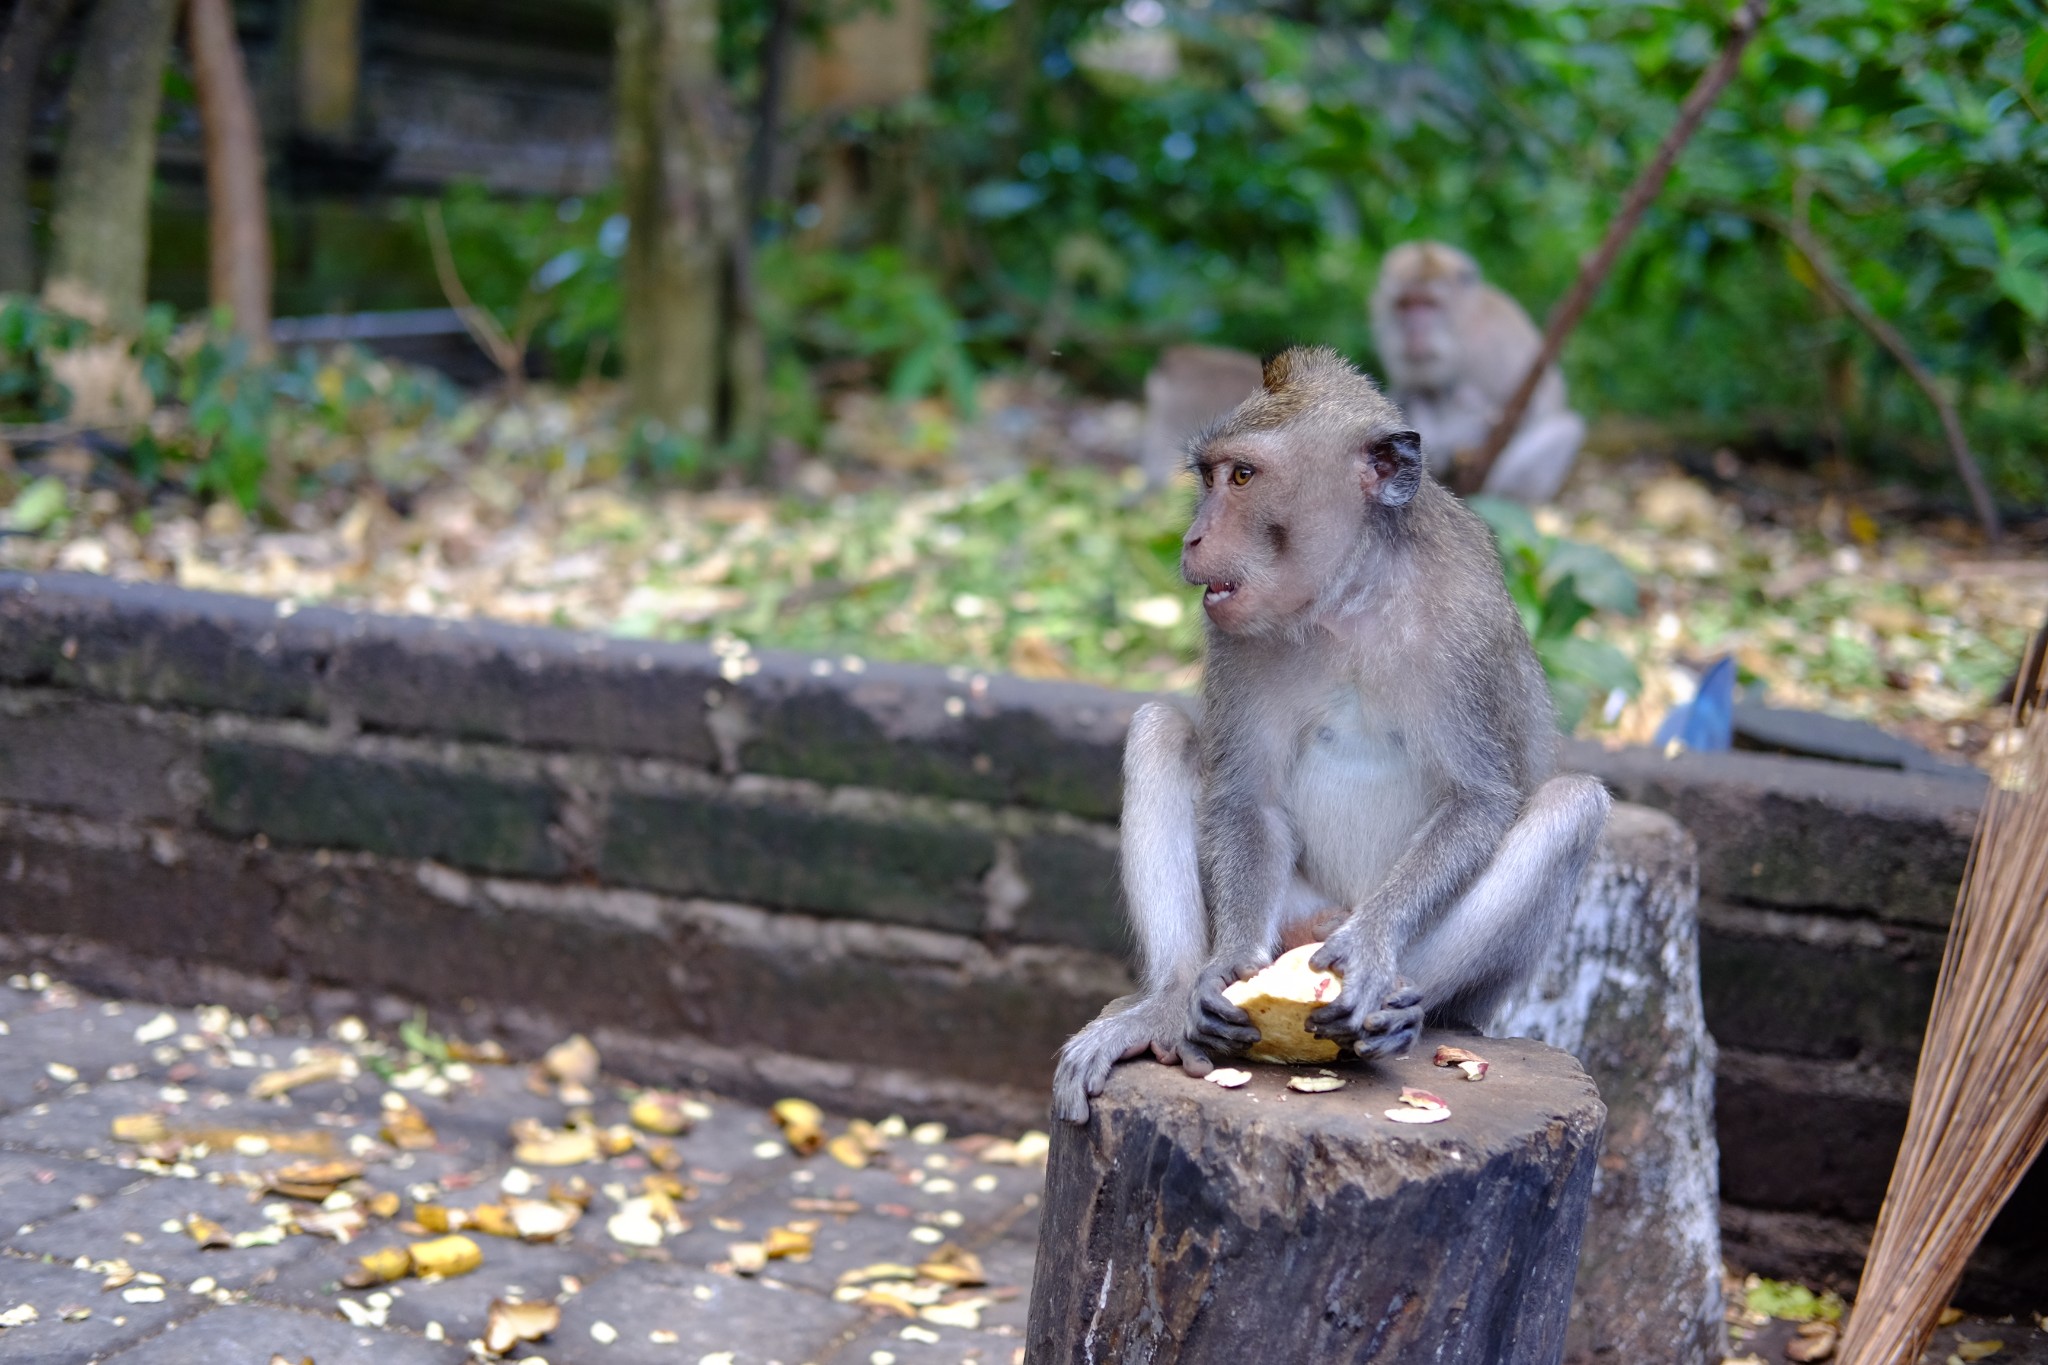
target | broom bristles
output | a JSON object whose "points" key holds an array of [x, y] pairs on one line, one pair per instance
{"points": [[1980, 1098]]}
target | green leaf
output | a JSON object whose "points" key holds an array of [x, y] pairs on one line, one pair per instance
{"points": [[1597, 575], [1591, 661], [2026, 286], [1512, 525], [38, 507]]}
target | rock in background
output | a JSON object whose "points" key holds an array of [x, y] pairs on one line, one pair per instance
{"points": [[1620, 990]]}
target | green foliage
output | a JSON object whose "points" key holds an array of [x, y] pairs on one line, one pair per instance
{"points": [[1247, 165], [29, 335], [225, 414], [1792, 1302], [1556, 584], [547, 269], [874, 306], [42, 506]]}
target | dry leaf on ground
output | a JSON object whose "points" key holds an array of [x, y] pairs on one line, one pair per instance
{"points": [[955, 1266], [405, 1127], [326, 1066]]}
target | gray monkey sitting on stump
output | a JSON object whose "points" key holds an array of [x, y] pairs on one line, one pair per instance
{"points": [[1454, 349], [1372, 764]]}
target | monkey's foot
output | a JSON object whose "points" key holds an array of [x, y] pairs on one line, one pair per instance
{"points": [[1127, 1028]]}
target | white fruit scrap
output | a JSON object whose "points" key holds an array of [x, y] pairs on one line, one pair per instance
{"points": [[1471, 1063], [1316, 1085], [572, 1065], [636, 1224], [1419, 1106], [1029, 1149], [1279, 1000], [510, 1322], [1229, 1077]]}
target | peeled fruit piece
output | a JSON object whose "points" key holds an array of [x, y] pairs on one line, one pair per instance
{"points": [[802, 1124], [1279, 1000], [450, 1255], [656, 1112], [509, 1323]]}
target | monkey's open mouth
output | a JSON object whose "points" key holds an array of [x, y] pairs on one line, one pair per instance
{"points": [[1218, 592]]}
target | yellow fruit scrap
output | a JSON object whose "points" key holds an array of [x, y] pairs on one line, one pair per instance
{"points": [[802, 1124], [445, 1256]]}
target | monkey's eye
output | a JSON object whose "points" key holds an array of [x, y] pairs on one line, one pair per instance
{"points": [[1241, 474]]}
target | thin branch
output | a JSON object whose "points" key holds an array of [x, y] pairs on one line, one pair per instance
{"points": [[483, 329], [1801, 236], [1649, 183]]}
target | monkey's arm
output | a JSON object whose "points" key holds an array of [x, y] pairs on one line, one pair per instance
{"points": [[1249, 852]]}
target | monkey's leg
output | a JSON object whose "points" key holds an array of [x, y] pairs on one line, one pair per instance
{"points": [[1163, 896], [1536, 462], [1491, 938]]}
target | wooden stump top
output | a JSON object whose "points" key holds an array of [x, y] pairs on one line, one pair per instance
{"points": [[1531, 1091], [1188, 1222]]}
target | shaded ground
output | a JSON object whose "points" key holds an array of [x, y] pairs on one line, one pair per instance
{"points": [[104, 1249]]}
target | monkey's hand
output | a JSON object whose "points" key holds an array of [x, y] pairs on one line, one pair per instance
{"points": [[1127, 1027], [1215, 1024], [1377, 1013]]}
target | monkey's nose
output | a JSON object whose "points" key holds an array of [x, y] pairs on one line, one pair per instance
{"points": [[1190, 542]]}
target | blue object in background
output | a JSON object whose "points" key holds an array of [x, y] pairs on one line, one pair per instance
{"points": [[1707, 722]]}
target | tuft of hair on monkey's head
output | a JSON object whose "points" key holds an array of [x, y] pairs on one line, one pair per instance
{"points": [[1315, 384]]}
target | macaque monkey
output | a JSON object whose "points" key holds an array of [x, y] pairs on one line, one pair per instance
{"points": [[1371, 762], [1454, 348]]}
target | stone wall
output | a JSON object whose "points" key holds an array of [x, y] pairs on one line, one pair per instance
{"points": [[909, 898]]}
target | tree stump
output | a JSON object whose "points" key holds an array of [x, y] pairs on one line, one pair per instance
{"points": [[1189, 1223]]}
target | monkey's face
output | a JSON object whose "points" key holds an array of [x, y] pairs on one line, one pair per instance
{"points": [[1260, 522], [1420, 288]]}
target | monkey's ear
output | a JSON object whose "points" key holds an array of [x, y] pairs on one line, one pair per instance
{"points": [[1390, 468]]}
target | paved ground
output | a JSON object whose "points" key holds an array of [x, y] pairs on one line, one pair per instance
{"points": [[101, 1254], [142, 1219]]}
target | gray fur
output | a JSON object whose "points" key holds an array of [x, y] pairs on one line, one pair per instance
{"points": [[1372, 761]]}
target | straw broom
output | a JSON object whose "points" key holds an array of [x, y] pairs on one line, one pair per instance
{"points": [[1980, 1100]]}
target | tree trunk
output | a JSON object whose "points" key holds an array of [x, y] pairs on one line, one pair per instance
{"points": [[328, 42], [99, 220], [29, 31], [1186, 1224], [682, 198], [237, 211]]}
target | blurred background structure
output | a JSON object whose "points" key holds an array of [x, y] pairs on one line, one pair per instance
{"points": [[528, 262]]}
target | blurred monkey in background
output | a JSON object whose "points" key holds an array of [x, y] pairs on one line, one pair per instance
{"points": [[1454, 348]]}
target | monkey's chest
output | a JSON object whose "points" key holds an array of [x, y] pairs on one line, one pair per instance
{"points": [[1354, 797]]}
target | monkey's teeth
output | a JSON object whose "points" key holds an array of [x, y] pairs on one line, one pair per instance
{"points": [[1217, 592]]}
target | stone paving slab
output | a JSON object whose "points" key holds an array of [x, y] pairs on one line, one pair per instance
{"points": [[36, 1185], [232, 1335], [55, 1289], [77, 1203], [74, 1200]]}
